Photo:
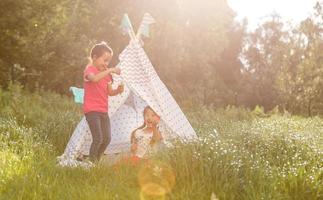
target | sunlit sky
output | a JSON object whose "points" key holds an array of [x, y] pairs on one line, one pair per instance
{"points": [[256, 10]]}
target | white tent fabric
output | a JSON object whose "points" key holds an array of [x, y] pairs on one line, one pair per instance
{"points": [[142, 87]]}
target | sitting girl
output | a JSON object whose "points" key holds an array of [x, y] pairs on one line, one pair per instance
{"points": [[144, 138]]}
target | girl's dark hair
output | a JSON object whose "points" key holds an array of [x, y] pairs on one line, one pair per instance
{"points": [[99, 49]]}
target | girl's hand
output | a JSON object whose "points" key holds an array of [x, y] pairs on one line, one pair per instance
{"points": [[120, 88], [157, 135], [156, 120], [155, 126], [116, 70]]}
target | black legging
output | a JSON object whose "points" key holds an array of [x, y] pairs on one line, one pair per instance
{"points": [[99, 124]]}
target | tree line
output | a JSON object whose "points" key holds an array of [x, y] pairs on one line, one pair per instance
{"points": [[197, 47]]}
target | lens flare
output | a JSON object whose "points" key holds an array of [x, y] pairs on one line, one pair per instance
{"points": [[152, 191], [156, 179]]}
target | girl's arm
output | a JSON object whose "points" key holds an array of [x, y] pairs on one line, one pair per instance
{"points": [[134, 144], [157, 136], [112, 92], [97, 77]]}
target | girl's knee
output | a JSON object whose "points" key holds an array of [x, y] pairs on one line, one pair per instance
{"points": [[98, 141]]}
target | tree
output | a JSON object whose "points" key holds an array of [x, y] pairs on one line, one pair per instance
{"points": [[309, 75], [266, 51]]}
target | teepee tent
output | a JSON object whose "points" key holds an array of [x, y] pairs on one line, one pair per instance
{"points": [[142, 87]]}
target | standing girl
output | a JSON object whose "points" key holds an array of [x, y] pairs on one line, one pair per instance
{"points": [[97, 88]]}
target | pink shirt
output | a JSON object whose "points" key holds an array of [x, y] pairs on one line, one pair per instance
{"points": [[95, 94]]}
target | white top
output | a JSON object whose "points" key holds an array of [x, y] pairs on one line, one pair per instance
{"points": [[143, 142]]}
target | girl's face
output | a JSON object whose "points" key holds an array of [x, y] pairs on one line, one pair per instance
{"points": [[103, 61], [151, 118]]}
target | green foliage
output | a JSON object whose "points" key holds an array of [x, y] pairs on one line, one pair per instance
{"points": [[259, 111], [21, 147], [51, 115], [197, 48], [186, 33], [240, 154], [285, 65]]}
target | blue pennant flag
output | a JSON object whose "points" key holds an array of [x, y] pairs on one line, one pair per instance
{"points": [[144, 26], [126, 26], [78, 94]]}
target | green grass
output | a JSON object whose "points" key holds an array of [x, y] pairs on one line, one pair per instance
{"points": [[240, 154]]}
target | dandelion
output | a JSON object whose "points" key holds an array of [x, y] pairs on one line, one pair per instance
{"points": [[157, 171]]}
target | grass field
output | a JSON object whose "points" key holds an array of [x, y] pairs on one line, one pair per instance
{"points": [[240, 154]]}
